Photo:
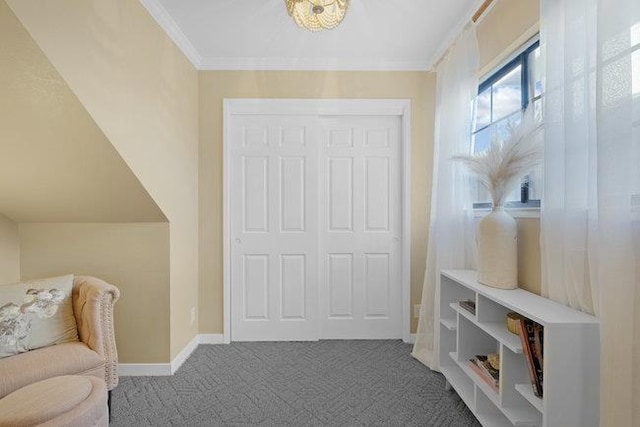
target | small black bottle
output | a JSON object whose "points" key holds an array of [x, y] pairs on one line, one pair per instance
{"points": [[524, 189]]}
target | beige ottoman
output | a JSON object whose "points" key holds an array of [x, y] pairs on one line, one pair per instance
{"points": [[69, 401]]}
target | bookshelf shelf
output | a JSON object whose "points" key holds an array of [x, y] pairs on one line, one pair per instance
{"points": [[495, 329], [460, 382], [450, 324], [466, 313], [571, 356], [527, 392], [493, 420], [522, 416], [488, 391]]}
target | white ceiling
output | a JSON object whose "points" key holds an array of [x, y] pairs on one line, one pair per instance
{"points": [[259, 34]]}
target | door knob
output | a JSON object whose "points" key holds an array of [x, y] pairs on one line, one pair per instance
{"points": [[238, 241], [396, 239]]}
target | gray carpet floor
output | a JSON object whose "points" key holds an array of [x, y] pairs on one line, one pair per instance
{"points": [[337, 383]]}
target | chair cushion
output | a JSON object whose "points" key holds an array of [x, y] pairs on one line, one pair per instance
{"points": [[47, 400], [73, 358], [35, 314]]}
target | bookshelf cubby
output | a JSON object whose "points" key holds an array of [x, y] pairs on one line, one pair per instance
{"points": [[571, 372]]}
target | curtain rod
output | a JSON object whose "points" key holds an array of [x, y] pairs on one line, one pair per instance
{"points": [[481, 10], [474, 19]]}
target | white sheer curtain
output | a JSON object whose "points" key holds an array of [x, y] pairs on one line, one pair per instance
{"points": [[590, 232], [451, 229]]}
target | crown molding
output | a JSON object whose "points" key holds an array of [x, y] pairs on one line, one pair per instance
{"points": [[166, 22], [310, 64]]}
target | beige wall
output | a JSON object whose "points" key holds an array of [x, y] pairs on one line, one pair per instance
{"points": [[134, 257], [215, 86], [529, 261], [54, 157], [507, 25], [143, 94], [9, 251]]}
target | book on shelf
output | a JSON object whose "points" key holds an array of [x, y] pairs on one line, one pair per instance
{"points": [[531, 335], [468, 305], [483, 362], [481, 366]]}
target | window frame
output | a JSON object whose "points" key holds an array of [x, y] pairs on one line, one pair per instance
{"points": [[520, 58]]}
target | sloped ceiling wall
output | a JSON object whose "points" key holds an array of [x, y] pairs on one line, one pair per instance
{"points": [[76, 205], [142, 92], [56, 165]]}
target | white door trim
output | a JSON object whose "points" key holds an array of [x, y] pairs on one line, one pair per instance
{"points": [[335, 107]]}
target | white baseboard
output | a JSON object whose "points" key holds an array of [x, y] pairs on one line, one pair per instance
{"points": [[166, 369], [184, 354], [211, 339], [144, 369]]}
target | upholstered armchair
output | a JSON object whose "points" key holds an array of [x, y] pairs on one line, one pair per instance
{"points": [[95, 354]]}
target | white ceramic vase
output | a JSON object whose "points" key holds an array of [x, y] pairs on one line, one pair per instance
{"points": [[497, 239]]}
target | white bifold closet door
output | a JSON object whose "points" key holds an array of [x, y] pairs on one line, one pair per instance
{"points": [[359, 239], [314, 227], [274, 228]]}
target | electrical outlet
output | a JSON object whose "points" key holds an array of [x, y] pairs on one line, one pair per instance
{"points": [[416, 310], [193, 315]]}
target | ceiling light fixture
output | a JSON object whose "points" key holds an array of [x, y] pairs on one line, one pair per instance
{"points": [[316, 15]]}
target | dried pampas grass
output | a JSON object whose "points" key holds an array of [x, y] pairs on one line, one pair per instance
{"points": [[504, 163]]}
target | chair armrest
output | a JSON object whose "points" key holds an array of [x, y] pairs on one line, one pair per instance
{"points": [[93, 301]]}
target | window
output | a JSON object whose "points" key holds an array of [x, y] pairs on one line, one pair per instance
{"points": [[501, 98]]}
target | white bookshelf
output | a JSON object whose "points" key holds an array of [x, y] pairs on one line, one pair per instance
{"points": [[571, 372]]}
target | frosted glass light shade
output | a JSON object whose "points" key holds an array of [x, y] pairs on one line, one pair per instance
{"points": [[316, 15]]}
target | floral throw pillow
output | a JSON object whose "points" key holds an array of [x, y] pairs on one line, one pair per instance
{"points": [[36, 314]]}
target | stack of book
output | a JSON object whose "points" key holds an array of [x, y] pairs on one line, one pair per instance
{"points": [[468, 305], [488, 373]]}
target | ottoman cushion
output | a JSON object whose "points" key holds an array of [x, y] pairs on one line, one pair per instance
{"points": [[69, 400], [73, 358]]}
